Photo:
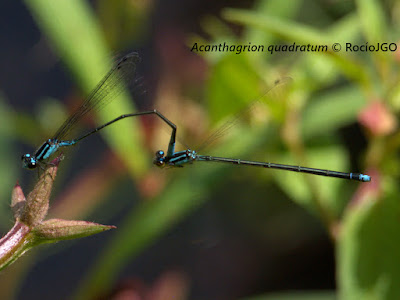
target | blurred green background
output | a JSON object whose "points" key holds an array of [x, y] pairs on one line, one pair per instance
{"points": [[209, 231]]}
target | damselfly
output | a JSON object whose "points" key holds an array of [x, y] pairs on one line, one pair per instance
{"points": [[188, 156], [107, 89]]}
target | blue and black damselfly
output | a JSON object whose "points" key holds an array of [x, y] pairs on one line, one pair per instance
{"points": [[188, 156], [107, 89]]}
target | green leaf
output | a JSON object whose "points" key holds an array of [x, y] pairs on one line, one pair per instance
{"points": [[347, 29], [232, 85], [274, 8], [368, 250], [279, 27], [373, 20], [331, 111]]}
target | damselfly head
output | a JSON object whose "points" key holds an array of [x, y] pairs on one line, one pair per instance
{"points": [[28, 162], [159, 160]]}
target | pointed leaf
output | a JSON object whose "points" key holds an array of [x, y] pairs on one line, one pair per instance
{"points": [[54, 230], [37, 203], [17, 201]]}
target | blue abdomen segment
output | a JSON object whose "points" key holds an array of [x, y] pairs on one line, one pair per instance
{"points": [[66, 143], [360, 177]]}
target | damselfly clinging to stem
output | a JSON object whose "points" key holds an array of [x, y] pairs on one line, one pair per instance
{"points": [[120, 76]]}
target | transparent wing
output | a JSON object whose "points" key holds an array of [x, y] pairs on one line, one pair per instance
{"points": [[222, 130], [119, 77]]}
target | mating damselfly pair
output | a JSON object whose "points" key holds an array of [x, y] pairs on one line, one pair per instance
{"points": [[107, 89]]}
